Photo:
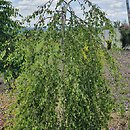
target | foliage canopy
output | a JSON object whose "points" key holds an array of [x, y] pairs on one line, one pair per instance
{"points": [[9, 28], [7, 25], [60, 85]]}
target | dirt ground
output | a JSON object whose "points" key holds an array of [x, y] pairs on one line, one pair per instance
{"points": [[121, 120], [123, 58]]}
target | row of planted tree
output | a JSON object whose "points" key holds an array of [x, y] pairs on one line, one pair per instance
{"points": [[57, 70]]}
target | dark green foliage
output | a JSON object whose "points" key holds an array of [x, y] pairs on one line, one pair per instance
{"points": [[8, 30], [125, 33], [7, 25], [109, 42], [13, 61]]}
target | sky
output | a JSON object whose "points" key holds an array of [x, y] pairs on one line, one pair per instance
{"points": [[115, 9]]}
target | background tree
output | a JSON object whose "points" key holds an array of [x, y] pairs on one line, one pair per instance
{"points": [[125, 35], [7, 25], [9, 28]]}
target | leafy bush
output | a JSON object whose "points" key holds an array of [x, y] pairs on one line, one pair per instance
{"points": [[60, 83], [77, 98], [125, 33], [7, 25], [9, 28]]}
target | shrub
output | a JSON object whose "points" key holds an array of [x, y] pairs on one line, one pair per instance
{"points": [[125, 33], [61, 85], [9, 29]]}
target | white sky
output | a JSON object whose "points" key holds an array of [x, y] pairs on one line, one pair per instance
{"points": [[115, 9]]}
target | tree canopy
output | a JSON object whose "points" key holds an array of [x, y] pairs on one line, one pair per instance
{"points": [[9, 28], [7, 24], [60, 85]]}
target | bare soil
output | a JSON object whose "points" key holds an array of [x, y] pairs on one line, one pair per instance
{"points": [[121, 120]]}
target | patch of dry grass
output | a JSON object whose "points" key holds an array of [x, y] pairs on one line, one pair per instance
{"points": [[6, 101], [119, 122]]}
